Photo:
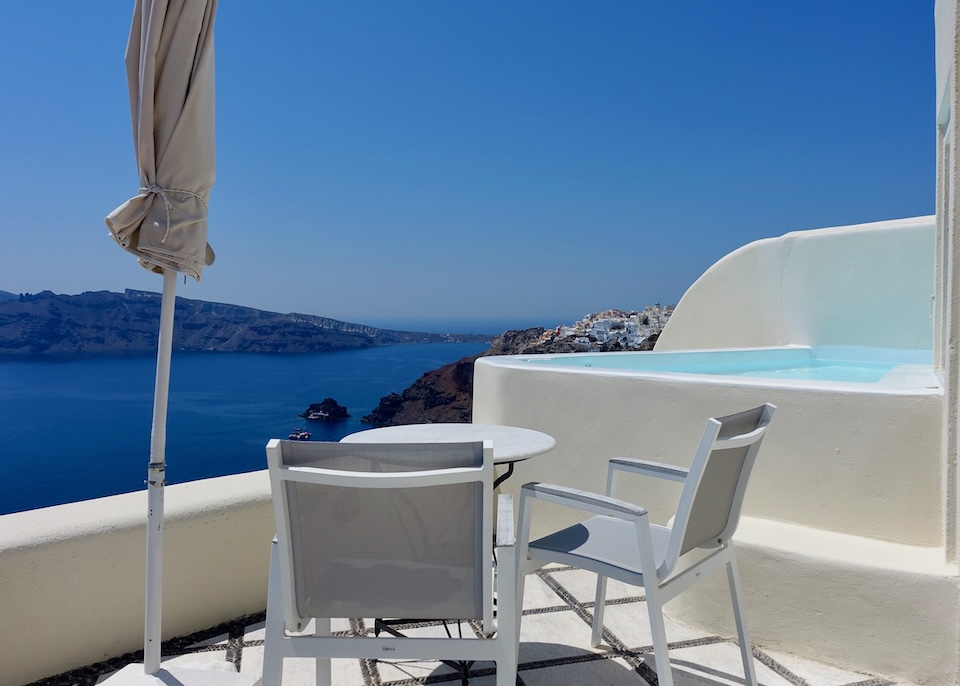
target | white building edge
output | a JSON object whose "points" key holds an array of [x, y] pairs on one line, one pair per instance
{"points": [[851, 559]]}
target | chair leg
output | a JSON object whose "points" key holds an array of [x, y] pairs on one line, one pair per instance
{"points": [[746, 652], [659, 633], [518, 619], [598, 607], [324, 664], [274, 633], [508, 615], [507, 672], [509, 654]]}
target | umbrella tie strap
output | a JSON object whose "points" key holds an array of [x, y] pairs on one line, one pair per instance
{"points": [[162, 192]]}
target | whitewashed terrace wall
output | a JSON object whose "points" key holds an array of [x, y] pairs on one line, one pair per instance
{"points": [[72, 576]]}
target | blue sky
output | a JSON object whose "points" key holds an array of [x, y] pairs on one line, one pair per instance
{"points": [[438, 162]]}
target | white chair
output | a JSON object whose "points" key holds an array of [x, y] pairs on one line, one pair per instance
{"points": [[621, 543], [387, 531]]}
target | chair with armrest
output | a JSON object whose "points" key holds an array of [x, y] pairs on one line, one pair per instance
{"points": [[387, 531], [619, 542]]}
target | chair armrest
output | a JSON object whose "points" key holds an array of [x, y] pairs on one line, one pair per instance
{"points": [[648, 468], [506, 536], [582, 500]]}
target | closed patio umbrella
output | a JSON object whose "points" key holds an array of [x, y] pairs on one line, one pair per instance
{"points": [[170, 70]]}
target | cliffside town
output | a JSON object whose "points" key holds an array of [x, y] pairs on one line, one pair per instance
{"points": [[446, 394], [606, 331]]}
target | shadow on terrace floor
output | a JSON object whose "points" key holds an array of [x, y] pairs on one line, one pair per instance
{"points": [[554, 649]]}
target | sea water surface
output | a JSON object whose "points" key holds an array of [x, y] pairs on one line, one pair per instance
{"points": [[78, 429]]}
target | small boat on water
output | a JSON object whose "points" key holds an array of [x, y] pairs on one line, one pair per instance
{"points": [[320, 414], [299, 435]]}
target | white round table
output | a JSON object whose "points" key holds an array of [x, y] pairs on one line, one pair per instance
{"points": [[511, 444]]}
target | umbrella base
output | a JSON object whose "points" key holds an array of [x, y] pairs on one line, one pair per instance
{"points": [[133, 675]]}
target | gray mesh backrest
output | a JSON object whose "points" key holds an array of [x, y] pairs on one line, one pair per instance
{"points": [[712, 507], [387, 552]]}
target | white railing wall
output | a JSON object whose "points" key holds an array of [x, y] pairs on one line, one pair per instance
{"points": [[72, 576]]}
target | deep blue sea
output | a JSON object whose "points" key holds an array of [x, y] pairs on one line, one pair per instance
{"points": [[79, 429]]}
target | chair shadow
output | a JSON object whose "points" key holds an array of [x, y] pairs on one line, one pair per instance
{"points": [[564, 665], [548, 663]]}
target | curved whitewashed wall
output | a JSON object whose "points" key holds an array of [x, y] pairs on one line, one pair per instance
{"points": [[72, 576], [863, 285]]}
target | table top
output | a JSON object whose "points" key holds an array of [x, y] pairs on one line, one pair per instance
{"points": [[510, 443]]}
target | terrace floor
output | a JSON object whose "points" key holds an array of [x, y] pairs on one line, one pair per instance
{"points": [[554, 649]]}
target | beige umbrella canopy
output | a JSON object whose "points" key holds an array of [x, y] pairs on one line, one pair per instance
{"points": [[170, 69]]}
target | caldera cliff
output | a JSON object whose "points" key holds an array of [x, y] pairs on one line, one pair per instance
{"points": [[106, 323]]}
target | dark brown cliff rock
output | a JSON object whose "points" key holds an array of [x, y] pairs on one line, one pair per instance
{"points": [[446, 394], [440, 395], [327, 410]]}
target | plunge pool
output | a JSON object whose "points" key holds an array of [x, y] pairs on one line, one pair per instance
{"points": [[886, 366]]}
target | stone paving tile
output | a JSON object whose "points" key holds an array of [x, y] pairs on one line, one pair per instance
{"points": [[401, 670], [610, 671], [630, 623], [582, 585], [719, 664], [537, 595], [302, 671], [553, 635], [199, 660], [817, 672], [216, 640]]}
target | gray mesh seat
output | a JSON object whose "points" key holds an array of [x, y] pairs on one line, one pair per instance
{"points": [[619, 542], [386, 531]]}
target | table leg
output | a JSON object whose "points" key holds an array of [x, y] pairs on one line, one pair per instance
{"points": [[503, 477]]}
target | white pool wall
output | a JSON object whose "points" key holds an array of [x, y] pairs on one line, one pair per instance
{"points": [[860, 459]]}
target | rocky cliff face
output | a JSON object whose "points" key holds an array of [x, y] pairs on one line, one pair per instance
{"points": [[440, 395], [105, 323], [446, 394]]}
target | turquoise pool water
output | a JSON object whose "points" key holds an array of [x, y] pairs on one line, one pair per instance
{"points": [[843, 364]]}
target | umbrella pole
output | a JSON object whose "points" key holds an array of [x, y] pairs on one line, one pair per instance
{"points": [[155, 480], [150, 673]]}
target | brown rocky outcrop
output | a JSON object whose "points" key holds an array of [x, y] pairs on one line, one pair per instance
{"points": [[440, 395], [446, 394], [327, 410]]}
